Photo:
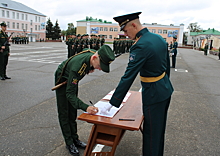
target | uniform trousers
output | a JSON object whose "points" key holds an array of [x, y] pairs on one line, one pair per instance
{"points": [[174, 60], [154, 126], [3, 63], [67, 115]]}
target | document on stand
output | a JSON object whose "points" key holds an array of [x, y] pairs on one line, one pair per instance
{"points": [[112, 111]]}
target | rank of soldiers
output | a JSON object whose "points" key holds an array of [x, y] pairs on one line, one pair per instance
{"points": [[20, 40], [76, 43]]}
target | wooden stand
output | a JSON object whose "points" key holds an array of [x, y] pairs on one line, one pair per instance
{"points": [[109, 131]]}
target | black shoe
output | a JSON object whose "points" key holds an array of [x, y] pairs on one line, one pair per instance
{"points": [[2, 78], [7, 77], [73, 150], [80, 144]]}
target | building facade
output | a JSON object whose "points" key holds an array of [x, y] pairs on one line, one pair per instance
{"points": [[199, 39], [22, 20], [111, 30]]}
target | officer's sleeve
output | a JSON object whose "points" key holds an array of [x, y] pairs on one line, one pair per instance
{"points": [[136, 60], [72, 91]]}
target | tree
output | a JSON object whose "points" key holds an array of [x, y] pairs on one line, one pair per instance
{"points": [[194, 27], [49, 29], [57, 31], [71, 29]]}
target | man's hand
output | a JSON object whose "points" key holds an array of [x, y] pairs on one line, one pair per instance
{"points": [[92, 110], [3, 47]]}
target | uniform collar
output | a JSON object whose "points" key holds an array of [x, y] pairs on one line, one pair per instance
{"points": [[141, 32]]}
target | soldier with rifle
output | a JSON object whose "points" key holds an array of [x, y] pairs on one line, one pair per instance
{"points": [[4, 52]]}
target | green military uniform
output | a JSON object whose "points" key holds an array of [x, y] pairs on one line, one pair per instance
{"points": [[102, 40], [4, 53], [206, 49], [148, 56], [174, 53], [73, 70]]}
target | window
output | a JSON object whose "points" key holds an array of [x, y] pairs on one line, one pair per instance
{"points": [[101, 29], [35, 18], [8, 24], [8, 15], [31, 30], [39, 27], [3, 13], [159, 31], [17, 15], [22, 26], [17, 25], [38, 19], [153, 30], [110, 29], [26, 27], [35, 27], [31, 22], [110, 36], [115, 29], [26, 17], [13, 15], [22, 16], [13, 25], [105, 29], [164, 31]]}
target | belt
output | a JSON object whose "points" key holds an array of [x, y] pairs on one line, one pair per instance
{"points": [[152, 79]]}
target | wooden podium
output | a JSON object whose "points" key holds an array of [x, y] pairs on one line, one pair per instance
{"points": [[109, 131]]}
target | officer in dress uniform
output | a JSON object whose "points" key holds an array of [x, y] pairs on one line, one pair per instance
{"points": [[148, 57], [174, 51], [72, 71], [4, 52]]}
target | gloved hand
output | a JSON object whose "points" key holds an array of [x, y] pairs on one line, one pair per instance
{"points": [[105, 109]]}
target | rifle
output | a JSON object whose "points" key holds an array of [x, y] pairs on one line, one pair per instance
{"points": [[6, 42]]}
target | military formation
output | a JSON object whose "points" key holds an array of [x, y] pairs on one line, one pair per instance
{"points": [[122, 45], [76, 43], [20, 40]]}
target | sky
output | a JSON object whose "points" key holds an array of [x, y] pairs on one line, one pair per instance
{"points": [[205, 12]]}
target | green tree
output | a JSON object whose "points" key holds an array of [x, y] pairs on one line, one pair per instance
{"points": [[49, 29], [194, 27], [71, 29], [57, 31]]}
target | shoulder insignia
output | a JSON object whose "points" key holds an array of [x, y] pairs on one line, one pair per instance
{"points": [[82, 69], [75, 81], [132, 57]]}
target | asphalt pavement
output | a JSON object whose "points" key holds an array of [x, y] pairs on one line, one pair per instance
{"points": [[28, 115]]}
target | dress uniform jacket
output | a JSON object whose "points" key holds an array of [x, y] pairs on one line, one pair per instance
{"points": [[152, 62]]}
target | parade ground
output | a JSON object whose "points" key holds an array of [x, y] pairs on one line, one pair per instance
{"points": [[28, 113]]}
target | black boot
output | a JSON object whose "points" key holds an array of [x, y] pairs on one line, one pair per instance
{"points": [[73, 150], [80, 144]]}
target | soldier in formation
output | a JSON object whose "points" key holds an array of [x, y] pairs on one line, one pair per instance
{"points": [[76, 44], [122, 45], [20, 40]]}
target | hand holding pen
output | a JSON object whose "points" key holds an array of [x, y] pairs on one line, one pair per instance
{"points": [[92, 109]]}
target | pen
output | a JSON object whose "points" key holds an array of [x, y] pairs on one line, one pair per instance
{"points": [[91, 103], [126, 119]]}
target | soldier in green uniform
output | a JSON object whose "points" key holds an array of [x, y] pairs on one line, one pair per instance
{"points": [[78, 43], [174, 52], [148, 57], [206, 49], [72, 71], [4, 52], [102, 40], [98, 43]]}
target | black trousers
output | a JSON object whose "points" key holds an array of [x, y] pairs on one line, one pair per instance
{"points": [[154, 126], [3, 63], [174, 60]]}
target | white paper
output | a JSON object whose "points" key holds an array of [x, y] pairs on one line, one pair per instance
{"points": [[109, 96], [112, 111]]}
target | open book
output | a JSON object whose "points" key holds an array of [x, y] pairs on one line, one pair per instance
{"points": [[109, 96], [112, 111]]}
